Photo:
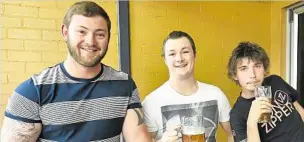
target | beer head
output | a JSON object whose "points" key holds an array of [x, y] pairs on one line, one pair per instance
{"points": [[192, 130]]}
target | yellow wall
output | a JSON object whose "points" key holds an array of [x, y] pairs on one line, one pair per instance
{"points": [[31, 40], [278, 37], [216, 27]]}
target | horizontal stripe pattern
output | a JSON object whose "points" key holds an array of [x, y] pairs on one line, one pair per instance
{"points": [[70, 112], [111, 74], [22, 107], [55, 75], [112, 139], [135, 97], [51, 76]]}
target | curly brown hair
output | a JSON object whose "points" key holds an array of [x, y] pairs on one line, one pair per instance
{"points": [[249, 50]]}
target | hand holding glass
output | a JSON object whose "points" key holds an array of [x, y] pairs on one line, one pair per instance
{"points": [[264, 91]]}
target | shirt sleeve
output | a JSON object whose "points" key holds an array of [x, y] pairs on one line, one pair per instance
{"points": [[294, 94], [224, 108], [149, 115], [23, 104], [238, 127], [134, 101]]}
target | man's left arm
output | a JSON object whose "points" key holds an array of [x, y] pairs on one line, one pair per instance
{"points": [[299, 108], [134, 129], [227, 128]]}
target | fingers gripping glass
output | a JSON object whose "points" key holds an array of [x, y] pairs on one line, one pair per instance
{"points": [[264, 91]]}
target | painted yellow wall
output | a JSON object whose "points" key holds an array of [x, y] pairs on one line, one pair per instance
{"points": [[216, 27], [31, 40], [278, 37]]}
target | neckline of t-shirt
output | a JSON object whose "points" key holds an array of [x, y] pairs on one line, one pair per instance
{"points": [[180, 95], [81, 79], [242, 98]]}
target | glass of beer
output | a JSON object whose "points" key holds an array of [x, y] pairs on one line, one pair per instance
{"points": [[193, 129], [264, 91]]}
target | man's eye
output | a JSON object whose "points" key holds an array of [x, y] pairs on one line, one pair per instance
{"points": [[100, 35], [81, 32]]}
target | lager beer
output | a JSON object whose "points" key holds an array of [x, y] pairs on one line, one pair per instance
{"points": [[265, 117], [193, 129], [191, 135]]}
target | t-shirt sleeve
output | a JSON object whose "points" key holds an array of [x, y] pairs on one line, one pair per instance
{"points": [[23, 104], [294, 94], [238, 127], [134, 101], [224, 108], [149, 115]]}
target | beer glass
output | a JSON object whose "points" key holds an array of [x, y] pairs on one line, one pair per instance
{"points": [[193, 129], [264, 91]]}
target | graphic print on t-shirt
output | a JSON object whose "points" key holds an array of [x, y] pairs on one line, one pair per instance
{"points": [[172, 115], [282, 108]]}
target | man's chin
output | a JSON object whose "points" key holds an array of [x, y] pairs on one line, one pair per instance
{"points": [[90, 64]]}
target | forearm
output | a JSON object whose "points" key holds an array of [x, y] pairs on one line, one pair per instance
{"points": [[143, 138], [302, 116], [227, 128], [300, 109], [134, 129], [301, 112], [139, 135], [230, 138], [17, 131], [253, 132]]}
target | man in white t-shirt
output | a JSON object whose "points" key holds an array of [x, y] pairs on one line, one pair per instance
{"points": [[183, 96]]}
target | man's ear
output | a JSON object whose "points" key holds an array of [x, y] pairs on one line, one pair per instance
{"points": [[64, 32]]}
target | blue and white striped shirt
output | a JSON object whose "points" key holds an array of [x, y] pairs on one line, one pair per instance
{"points": [[74, 109]]}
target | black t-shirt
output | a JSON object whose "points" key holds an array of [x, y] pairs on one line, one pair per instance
{"points": [[286, 124]]}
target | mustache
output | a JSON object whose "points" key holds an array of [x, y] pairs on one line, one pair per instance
{"points": [[253, 82], [89, 47]]}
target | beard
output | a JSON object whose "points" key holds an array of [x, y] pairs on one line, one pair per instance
{"points": [[80, 60]]}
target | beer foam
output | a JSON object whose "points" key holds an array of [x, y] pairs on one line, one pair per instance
{"points": [[189, 130]]}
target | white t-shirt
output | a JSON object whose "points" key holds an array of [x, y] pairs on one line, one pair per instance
{"points": [[165, 107]]}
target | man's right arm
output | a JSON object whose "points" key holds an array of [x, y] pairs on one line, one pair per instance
{"points": [[258, 106], [170, 135], [253, 132], [18, 131]]}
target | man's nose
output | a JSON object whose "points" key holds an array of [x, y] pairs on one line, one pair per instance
{"points": [[252, 73], [179, 57], [90, 40]]}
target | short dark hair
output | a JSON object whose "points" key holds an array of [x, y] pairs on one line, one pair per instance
{"points": [[249, 50], [176, 35], [87, 9]]}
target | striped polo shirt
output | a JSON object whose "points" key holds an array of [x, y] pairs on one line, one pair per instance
{"points": [[74, 109]]}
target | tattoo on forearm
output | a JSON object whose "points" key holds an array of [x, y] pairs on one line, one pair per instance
{"points": [[139, 113], [20, 132]]}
